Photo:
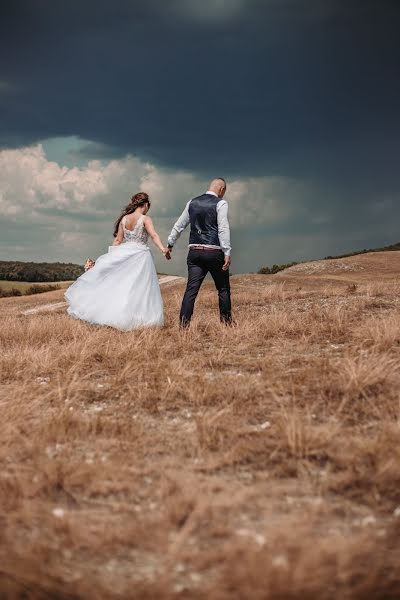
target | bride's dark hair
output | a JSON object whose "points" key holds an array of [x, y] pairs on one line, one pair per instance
{"points": [[139, 199]]}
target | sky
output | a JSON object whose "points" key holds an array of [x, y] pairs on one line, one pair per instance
{"points": [[294, 102]]}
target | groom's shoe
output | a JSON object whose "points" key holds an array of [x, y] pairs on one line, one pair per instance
{"points": [[227, 320], [184, 324]]}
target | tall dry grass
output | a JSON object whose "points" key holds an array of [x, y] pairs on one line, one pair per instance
{"points": [[260, 461]]}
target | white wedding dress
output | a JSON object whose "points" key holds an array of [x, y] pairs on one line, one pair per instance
{"points": [[122, 288]]}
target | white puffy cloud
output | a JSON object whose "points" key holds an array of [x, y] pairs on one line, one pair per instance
{"points": [[55, 212], [31, 181], [265, 200]]}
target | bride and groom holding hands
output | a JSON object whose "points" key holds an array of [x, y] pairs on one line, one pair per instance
{"points": [[122, 290]]}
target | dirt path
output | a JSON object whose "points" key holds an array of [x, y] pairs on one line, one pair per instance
{"points": [[57, 305]]}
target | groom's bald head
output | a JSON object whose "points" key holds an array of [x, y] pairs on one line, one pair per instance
{"points": [[218, 186]]}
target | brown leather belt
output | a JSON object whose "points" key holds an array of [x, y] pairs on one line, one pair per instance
{"points": [[201, 248]]}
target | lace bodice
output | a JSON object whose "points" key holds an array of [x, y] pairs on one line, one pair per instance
{"points": [[138, 234]]}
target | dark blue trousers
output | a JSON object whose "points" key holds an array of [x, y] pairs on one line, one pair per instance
{"points": [[201, 262]]}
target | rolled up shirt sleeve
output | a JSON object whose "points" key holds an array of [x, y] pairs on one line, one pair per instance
{"points": [[179, 226], [224, 233]]}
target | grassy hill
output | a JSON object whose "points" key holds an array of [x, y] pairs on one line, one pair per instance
{"points": [[39, 272], [27, 288], [259, 461], [276, 268]]}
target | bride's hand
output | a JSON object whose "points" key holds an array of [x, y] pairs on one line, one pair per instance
{"points": [[166, 253]]}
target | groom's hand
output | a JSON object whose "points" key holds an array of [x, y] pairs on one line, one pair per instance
{"points": [[168, 254], [227, 263]]}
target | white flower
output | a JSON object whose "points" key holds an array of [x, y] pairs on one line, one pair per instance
{"points": [[180, 568], [58, 512], [370, 520], [259, 539], [281, 562]]}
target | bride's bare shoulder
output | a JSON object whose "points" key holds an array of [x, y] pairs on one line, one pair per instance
{"points": [[148, 224]]}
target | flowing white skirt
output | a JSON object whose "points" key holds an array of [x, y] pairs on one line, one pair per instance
{"points": [[121, 290]]}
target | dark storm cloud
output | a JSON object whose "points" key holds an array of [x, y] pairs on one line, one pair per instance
{"points": [[303, 89], [288, 86]]}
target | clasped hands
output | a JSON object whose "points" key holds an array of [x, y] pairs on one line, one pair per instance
{"points": [[167, 253]]}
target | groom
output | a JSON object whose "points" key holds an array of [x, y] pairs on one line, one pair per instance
{"points": [[209, 248]]}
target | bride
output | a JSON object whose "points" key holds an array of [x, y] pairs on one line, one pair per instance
{"points": [[122, 288]]}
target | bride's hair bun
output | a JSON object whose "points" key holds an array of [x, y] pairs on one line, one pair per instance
{"points": [[140, 198]]}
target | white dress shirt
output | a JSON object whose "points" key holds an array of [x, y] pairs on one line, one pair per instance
{"points": [[223, 227]]}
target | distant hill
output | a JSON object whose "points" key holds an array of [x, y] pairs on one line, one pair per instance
{"points": [[391, 248], [277, 268], [39, 272], [361, 266]]}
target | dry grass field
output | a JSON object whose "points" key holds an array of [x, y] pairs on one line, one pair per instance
{"points": [[25, 285], [254, 462]]}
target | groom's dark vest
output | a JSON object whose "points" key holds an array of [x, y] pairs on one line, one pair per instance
{"points": [[203, 220]]}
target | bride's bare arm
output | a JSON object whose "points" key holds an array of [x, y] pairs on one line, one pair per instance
{"points": [[120, 236], [148, 223]]}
